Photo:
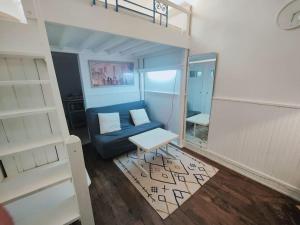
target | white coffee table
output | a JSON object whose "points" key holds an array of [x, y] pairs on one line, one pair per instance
{"points": [[151, 140], [199, 119]]}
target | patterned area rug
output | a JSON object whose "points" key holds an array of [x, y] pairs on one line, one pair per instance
{"points": [[170, 182]]}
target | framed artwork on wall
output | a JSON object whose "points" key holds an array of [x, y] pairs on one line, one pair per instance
{"points": [[111, 73]]}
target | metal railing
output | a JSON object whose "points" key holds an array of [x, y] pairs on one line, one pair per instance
{"points": [[158, 13]]}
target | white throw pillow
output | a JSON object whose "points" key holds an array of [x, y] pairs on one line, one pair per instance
{"points": [[139, 116], [109, 122]]}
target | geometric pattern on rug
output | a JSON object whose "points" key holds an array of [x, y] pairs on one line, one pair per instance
{"points": [[170, 182]]}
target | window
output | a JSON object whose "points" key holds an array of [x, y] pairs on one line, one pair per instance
{"points": [[162, 81]]}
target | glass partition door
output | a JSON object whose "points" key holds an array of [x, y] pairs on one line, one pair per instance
{"points": [[200, 85]]}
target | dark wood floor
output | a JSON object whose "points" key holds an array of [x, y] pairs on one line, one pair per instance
{"points": [[228, 198]]}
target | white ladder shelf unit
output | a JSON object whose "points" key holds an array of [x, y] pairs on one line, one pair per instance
{"points": [[43, 179], [27, 119]]}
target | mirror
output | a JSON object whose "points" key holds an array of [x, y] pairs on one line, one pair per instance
{"points": [[200, 85]]}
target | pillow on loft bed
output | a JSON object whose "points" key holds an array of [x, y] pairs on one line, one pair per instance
{"points": [[139, 116], [109, 122]]}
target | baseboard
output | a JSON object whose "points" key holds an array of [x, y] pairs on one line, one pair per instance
{"points": [[258, 176], [177, 144]]}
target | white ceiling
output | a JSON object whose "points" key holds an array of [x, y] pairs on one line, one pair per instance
{"points": [[73, 39]]}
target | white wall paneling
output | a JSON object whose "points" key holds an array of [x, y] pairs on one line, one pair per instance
{"points": [[260, 141], [265, 138]]}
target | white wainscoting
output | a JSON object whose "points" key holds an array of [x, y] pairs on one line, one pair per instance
{"points": [[257, 139]]}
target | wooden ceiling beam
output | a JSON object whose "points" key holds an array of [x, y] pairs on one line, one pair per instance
{"points": [[110, 42], [66, 36], [157, 49], [142, 46], [93, 39]]}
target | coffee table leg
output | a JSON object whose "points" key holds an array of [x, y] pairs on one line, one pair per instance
{"points": [[139, 155], [194, 130], [139, 162], [166, 151]]}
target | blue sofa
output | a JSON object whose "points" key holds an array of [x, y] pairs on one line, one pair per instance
{"points": [[112, 144]]}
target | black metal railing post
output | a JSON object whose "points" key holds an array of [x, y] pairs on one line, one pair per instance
{"points": [[154, 1], [167, 15], [117, 5]]}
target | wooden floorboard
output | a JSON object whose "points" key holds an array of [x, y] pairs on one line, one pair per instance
{"points": [[228, 198]]}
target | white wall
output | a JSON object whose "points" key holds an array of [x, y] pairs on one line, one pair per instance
{"points": [[256, 59], [255, 121], [179, 20], [162, 100], [102, 96]]}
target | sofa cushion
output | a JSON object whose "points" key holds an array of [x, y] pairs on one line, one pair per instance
{"points": [[109, 122], [139, 116]]}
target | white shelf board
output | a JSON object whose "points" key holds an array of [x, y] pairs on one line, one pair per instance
{"points": [[25, 112], [56, 205], [33, 181], [13, 148], [23, 82], [27, 54]]}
